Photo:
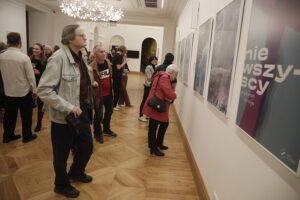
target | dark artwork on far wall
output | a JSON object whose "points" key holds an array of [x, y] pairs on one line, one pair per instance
{"points": [[225, 45], [204, 36], [269, 105], [133, 54]]}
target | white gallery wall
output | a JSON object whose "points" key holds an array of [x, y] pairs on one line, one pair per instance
{"points": [[40, 27], [13, 19], [232, 164], [134, 35]]}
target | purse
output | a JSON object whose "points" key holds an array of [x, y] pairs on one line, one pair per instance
{"points": [[75, 124], [156, 103]]}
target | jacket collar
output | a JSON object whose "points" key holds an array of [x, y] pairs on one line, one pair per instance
{"points": [[69, 54]]}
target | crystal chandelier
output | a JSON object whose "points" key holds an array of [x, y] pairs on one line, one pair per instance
{"points": [[94, 10]]}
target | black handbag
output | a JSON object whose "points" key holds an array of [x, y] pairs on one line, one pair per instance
{"points": [[76, 124], [156, 103]]}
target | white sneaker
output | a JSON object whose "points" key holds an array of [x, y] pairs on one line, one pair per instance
{"points": [[143, 119], [116, 108]]}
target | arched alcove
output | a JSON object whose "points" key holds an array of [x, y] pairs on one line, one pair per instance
{"points": [[149, 48], [116, 41]]}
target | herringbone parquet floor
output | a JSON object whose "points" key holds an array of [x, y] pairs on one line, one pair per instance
{"points": [[122, 167]]}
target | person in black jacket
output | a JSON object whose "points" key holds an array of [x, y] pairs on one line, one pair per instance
{"points": [[38, 60], [169, 58]]}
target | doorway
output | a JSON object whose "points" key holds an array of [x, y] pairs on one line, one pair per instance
{"points": [[149, 48]]}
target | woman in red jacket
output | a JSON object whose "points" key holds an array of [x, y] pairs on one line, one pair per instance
{"points": [[165, 90]]}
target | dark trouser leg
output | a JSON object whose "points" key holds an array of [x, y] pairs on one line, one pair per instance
{"points": [[125, 93], [161, 133], [124, 98], [40, 113], [153, 124], [117, 88], [10, 116], [122, 93], [146, 94], [108, 105], [62, 138], [83, 144], [26, 115], [98, 119]]}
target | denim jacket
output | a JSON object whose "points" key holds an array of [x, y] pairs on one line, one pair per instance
{"points": [[59, 86]]}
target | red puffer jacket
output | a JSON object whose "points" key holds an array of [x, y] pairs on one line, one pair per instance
{"points": [[164, 91]]}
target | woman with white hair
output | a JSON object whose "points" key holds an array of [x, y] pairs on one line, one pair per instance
{"points": [[163, 89]]}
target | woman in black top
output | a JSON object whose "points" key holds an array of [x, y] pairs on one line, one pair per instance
{"points": [[119, 62], [38, 61]]}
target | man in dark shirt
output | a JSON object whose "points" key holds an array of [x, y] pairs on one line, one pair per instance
{"points": [[119, 62]]}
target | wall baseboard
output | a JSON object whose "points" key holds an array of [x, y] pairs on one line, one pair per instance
{"points": [[200, 185]]}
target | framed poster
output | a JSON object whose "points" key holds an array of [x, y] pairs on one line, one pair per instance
{"points": [[204, 37], [269, 104], [187, 57], [181, 60], [225, 47]]}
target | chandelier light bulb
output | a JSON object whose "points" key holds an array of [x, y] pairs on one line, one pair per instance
{"points": [[94, 10]]}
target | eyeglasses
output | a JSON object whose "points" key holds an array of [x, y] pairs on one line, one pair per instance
{"points": [[82, 35]]}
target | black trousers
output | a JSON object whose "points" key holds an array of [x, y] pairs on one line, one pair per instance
{"points": [[108, 105], [12, 105], [146, 94], [40, 112], [117, 83], [156, 138], [63, 139], [98, 118]]}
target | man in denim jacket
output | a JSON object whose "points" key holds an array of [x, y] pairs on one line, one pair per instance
{"points": [[65, 88]]}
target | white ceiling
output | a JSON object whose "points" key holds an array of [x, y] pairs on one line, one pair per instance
{"points": [[132, 8]]}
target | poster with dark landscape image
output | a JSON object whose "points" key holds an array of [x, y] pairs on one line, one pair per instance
{"points": [[187, 57], [225, 46], [204, 37]]}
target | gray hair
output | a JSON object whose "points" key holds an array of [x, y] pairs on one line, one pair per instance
{"points": [[68, 33], [96, 46], [172, 68], [48, 46]]}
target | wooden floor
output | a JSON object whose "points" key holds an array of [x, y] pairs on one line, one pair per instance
{"points": [[122, 167]]}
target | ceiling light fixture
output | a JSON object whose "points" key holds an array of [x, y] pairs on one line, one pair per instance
{"points": [[162, 3], [94, 10]]}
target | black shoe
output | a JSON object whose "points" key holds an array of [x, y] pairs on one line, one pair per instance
{"points": [[14, 137], [33, 137], [109, 133], [68, 191], [37, 128], [162, 147], [83, 178], [156, 152], [99, 139]]}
